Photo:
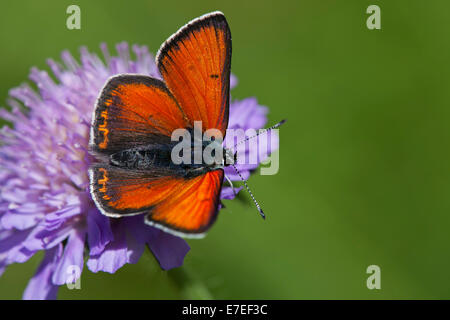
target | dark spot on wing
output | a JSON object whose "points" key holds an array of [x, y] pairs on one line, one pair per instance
{"points": [[214, 76]]}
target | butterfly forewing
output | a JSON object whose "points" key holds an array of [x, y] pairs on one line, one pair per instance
{"points": [[132, 111], [195, 64]]}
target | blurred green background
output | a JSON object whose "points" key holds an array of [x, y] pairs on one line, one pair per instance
{"points": [[364, 175]]}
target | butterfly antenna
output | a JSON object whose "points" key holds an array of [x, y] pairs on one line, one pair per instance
{"points": [[261, 212], [250, 192], [260, 132]]}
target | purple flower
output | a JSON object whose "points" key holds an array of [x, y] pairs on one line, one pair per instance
{"points": [[45, 202]]}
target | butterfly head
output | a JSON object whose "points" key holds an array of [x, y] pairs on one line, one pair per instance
{"points": [[229, 157], [225, 158]]}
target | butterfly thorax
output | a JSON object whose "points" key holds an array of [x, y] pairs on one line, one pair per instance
{"points": [[145, 157]]}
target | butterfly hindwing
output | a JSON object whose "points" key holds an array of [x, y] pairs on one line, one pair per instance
{"points": [[132, 111], [191, 209], [195, 64], [119, 192], [188, 206]]}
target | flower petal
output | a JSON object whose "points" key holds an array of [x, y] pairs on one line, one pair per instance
{"points": [[114, 255], [40, 286], [99, 231], [169, 250], [19, 221], [228, 194], [72, 257]]}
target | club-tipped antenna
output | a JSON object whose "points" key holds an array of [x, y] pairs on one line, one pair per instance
{"points": [[260, 132], [261, 212], [250, 192]]}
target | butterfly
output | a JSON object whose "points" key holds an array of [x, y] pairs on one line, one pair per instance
{"points": [[132, 124]]}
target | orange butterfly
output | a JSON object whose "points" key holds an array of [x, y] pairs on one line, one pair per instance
{"points": [[132, 124]]}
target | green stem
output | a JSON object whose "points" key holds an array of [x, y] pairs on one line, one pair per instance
{"points": [[190, 286]]}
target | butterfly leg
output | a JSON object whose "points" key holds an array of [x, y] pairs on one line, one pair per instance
{"points": [[231, 185]]}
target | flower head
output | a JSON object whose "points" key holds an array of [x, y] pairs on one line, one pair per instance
{"points": [[45, 202]]}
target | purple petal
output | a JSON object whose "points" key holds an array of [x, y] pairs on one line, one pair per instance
{"points": [[114, 255], [247, 114], [2, 263], [135, 249], [20, 255], [12, 247], [42, 238], [233, 81], [12, 240], [137, 235], [19, 221], [99, 231], [73, 256], [40, 286], [231, 173], [169, 250], [228, 194]]}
